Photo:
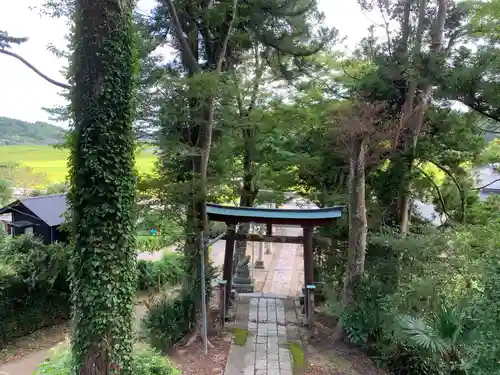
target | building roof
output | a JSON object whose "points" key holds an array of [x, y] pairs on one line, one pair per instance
{"points": [[22, 224], [49, 208], [318, 216]]}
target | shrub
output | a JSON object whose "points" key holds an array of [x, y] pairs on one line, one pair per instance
{"points": [[166, 321], [420, 293], [166, 271], [171, 268], [59, 363], [34, 293], [149, 243], [34, 287], [147, 275], [25, 308], [146, 361]]}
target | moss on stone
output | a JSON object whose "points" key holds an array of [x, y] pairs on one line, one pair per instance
{"points": [[240, 336], [298, 357]]}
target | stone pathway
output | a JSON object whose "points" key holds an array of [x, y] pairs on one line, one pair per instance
{"points": [[268, 325], [287, 276], [270, 317], [272, 325]]}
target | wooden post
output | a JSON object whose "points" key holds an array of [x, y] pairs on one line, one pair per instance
{"points": [[222, 301], [269, 232], [308, 257], [310, 305], [308, 268], [227, 273]]}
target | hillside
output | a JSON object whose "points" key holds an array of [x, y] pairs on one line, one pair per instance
{"points": [[18, 132]]}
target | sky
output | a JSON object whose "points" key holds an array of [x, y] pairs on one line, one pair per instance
{"points": [[23, 94]]}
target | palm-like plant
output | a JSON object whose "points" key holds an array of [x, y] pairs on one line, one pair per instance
{"points": [[442, 335]]}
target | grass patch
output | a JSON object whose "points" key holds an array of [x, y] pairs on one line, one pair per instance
{"points": [[240, 336], [53, 162], [298, 356]]}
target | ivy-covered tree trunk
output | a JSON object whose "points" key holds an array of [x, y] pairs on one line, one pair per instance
{"points": [[103, 188]]}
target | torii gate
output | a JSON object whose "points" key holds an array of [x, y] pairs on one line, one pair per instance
{"points": [[306, 218]]}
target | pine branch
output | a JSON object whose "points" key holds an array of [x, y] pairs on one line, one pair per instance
{"points": [[32, 67]]}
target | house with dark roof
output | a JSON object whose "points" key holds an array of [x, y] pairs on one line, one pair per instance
{"points": [[41, 216]]}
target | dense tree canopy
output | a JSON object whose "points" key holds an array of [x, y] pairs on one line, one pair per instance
{"points": [[254, 100]]}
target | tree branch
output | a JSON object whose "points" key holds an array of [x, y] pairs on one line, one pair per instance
{"points": [[222, 53], [45, 77], [438, 191], [239, 100], [457, 184], [488, 184], [259, 71], [32, 67], [186, 51]]}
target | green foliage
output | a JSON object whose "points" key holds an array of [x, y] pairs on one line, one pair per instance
{"points": [[34, 284], [145, 361], [483, 212], [7, 40], [168, 230], [58, 364], [16, 132], [167, 321], [5, 193], [34, 288], [37, 263], [426, 304], [150, 243], [169, 270], [442, 334], [170, 317]]}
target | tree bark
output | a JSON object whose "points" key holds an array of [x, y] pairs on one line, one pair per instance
{"points": [[415, 107], [102, 191], [203, 118], [358, 224], [249, 190]]}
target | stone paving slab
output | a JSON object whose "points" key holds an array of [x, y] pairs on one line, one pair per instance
{"points": [[287, 275], [266, 349]]}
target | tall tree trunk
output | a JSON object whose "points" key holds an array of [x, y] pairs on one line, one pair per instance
{"points": [[203, 119], [196, 225], [414, 109], [103, 188], [249, 190], [358, 225]]}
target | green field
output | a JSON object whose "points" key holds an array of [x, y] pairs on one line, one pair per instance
{"points": [[53, 162]]}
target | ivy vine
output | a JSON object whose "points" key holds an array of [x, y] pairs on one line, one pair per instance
{"points": [[102, 193]]}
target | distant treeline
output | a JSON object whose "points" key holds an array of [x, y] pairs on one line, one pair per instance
{"points": [[15, 132]]}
